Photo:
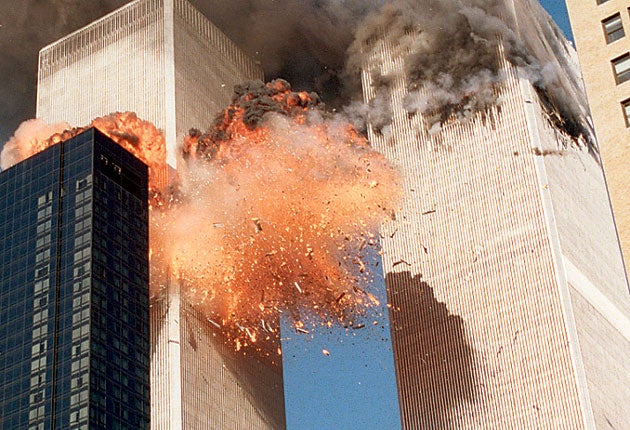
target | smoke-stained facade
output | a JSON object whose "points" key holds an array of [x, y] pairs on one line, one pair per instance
{"points": [[509, 297], [74, 288], [166, 62]]}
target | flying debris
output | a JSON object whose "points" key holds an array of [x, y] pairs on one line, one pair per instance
{"points": [[399, 262], [217, 325]]}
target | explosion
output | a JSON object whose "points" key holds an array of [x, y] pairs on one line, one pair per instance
{"points": [[275, 210], [276, 207]]}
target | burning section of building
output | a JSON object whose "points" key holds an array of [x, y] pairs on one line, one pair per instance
{"points": [[273, 210], [452, 65]]}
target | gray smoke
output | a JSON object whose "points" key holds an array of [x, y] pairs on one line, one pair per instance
{"points": [[451, 62], [449, 49], [554, 72], [302, 41]]}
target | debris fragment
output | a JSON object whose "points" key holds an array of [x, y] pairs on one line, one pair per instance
{"points": [[360, 263], [325, 352], [399, 262], [257, 225], [251, 334], [214, 323], [543, 152], [373, 299], [341, 296]]}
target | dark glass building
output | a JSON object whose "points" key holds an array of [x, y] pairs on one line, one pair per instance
{"points": [[74, 311]]}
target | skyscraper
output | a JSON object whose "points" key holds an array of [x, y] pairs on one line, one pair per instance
{"points": [[509, 300], [74, 315], [600, 29], [165, 61]]}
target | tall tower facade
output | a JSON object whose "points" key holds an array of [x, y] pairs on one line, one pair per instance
{"points": [[601, 31], [74, 320], [509, 300], [165, 61]]}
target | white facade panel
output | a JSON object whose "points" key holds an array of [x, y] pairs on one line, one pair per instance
{"points": [[115, 64]]}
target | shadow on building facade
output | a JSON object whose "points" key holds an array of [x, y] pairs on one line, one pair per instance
{"points": [[434, 361]]}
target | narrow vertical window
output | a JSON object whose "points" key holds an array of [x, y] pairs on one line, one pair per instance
{"points": [[613, 28], [621, 67], [601, 1], [625, 106]]}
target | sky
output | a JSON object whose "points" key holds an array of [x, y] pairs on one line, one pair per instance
{"points": [[558, 11], [352, 386]]}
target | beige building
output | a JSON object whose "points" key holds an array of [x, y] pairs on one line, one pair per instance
{"points": [[601, 29], [168, 63], [510, 305]]}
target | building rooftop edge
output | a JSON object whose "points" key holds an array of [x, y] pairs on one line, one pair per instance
{"points": [[174, 4], [87, 26]]}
